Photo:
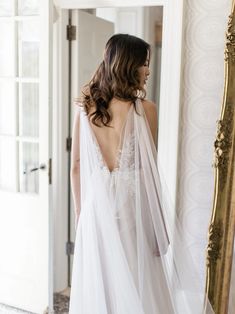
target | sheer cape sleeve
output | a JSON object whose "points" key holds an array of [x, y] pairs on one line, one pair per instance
{"points": [[130, 253]]}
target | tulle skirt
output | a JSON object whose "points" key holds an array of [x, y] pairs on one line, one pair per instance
{"points": [[106, 272]]}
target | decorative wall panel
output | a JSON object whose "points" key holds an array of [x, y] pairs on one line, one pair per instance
{"points": [[203, 78]]}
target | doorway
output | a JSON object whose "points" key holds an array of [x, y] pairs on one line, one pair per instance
{"points": [[145, 22]]}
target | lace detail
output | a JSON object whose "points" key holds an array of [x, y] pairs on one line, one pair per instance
{"points": [[127, 173], [126, 157]]}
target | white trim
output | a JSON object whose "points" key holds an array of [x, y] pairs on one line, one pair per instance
{"points": [[50, 150], [60, 155], [170, 92]]}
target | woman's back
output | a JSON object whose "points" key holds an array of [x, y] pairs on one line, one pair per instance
{"points": [[109, 138]]}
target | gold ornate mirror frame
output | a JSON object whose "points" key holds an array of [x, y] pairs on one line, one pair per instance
{"points": [[222, 225]]}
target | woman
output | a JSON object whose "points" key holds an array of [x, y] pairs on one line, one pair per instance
{"points": [[129, 255]]}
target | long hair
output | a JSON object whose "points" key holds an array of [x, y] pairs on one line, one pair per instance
{"points": [[117, 76]]}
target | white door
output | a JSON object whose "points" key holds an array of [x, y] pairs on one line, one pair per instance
{"points": [[87, 52], [25, 105]]}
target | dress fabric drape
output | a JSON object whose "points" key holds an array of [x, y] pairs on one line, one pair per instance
{"points": [[129, 256]]}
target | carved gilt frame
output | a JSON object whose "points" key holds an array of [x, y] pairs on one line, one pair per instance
{"points": [[222, 225]]}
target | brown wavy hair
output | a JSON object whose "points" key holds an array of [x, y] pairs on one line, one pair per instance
{"points": [[117, 76]]}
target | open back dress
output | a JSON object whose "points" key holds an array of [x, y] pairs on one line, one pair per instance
{"points": [[129, 253]]}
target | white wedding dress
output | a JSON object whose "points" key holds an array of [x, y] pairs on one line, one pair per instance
{"points": [[129, 255]]}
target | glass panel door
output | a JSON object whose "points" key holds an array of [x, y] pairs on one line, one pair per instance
{"points": [[19, 95], [8, 144], [26, 268]]}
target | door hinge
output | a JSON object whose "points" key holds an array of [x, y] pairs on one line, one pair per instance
{"points": [[71, 32], [69, 248], [50, 170], [68, 144]]}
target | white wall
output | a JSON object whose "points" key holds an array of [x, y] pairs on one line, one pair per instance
{"points": [[204, 31]]}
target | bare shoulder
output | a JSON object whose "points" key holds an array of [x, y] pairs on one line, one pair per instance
{"points": [[148, 104], [150, 110]]}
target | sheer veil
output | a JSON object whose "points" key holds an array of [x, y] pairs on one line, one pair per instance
{"points": [[130, 255]]}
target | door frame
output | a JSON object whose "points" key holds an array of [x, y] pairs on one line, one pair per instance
{"points": [[60, 154], [170, 100]]}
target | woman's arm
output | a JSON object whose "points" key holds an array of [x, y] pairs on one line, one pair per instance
{"points": [[151, 115], [75, 166]]}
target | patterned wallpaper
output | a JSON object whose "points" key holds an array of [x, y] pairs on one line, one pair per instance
{"points": [[203, 78]]}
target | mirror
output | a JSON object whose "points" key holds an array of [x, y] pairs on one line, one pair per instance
{"points": [[221, 253]]}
